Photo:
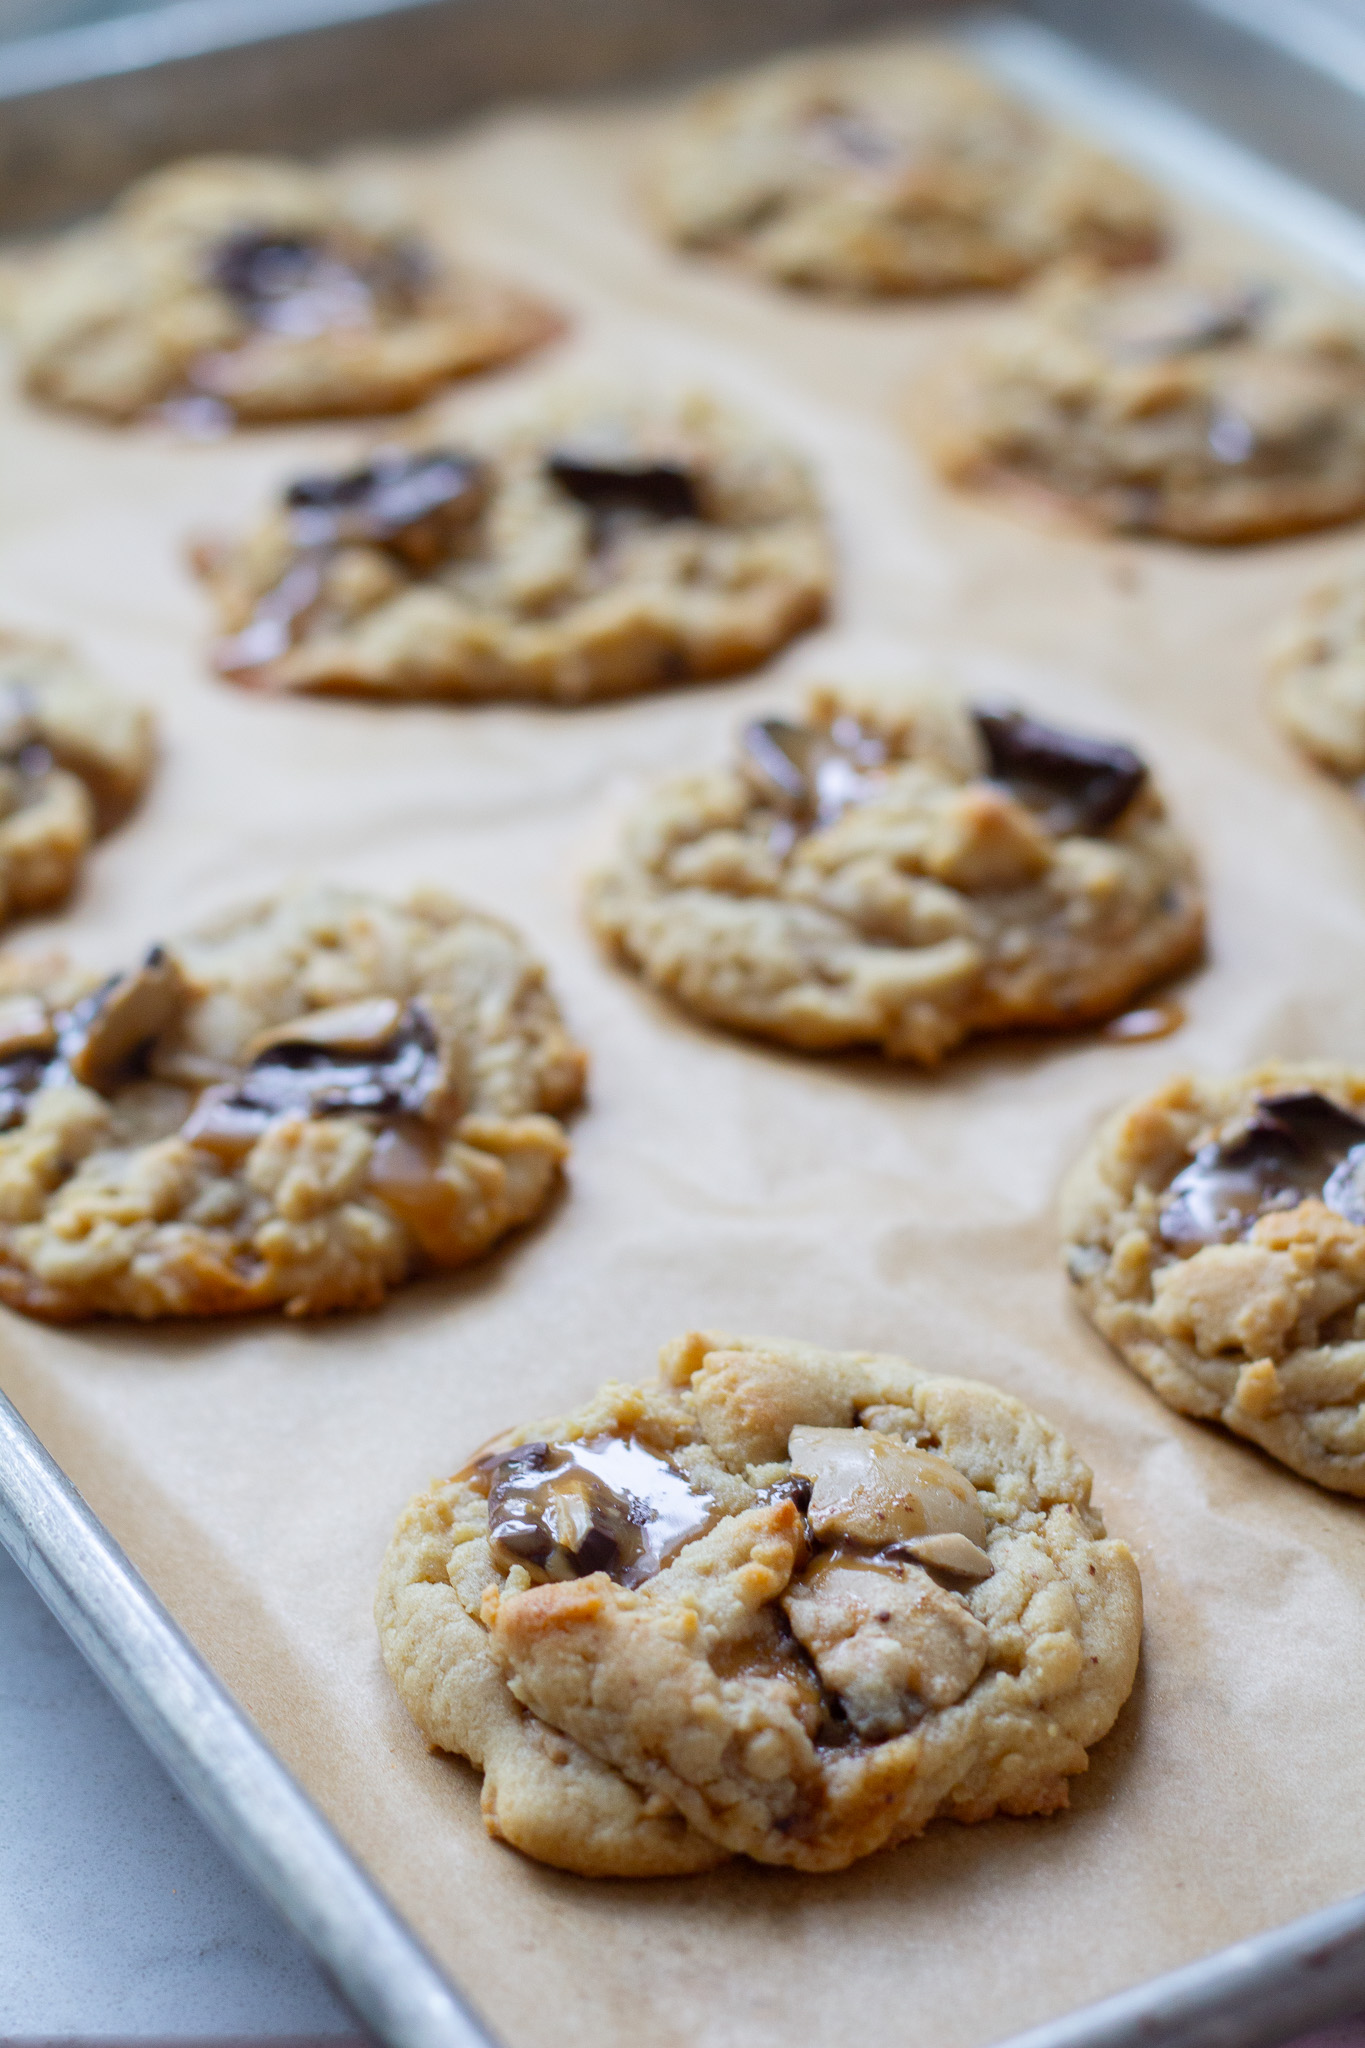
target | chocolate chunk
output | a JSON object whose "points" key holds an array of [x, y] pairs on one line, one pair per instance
{"points": [[1175, 319], [1294, 1148], [414, 505], [625, 483], [21, 1075], [292, 284], [301, 1077], [604, 1505], [102, 1038], [811, 774], [1072, 783], [794, 1488]]}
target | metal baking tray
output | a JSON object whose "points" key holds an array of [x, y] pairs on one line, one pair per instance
{"points": [[1257, 105]]}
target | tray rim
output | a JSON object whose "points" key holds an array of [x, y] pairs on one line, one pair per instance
{"points": [[1255, 1993]]}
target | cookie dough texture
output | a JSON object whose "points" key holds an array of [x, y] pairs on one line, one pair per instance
{"points": [[936, 907], [1317, 676], [262, 288], [1265, 1334], [1194, 404], [74, 759], [891, 172], [297, 1107], [684, 543], [659, 1730]]}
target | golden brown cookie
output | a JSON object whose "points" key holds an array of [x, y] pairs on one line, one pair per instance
{"points": [[882, 171], [245, 288], [74, 759], [782, 1602], [1317, 675], [297, 1106], [1190, 403], [591, 550], [1215, 1233], [902, 870]]}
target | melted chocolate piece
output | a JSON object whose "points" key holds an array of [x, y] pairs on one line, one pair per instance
{"points": [[1072, 783], [625, 483], [848, 139], [811, 774], [415, 505], [299, 285], [21, 1076], [606, 1504], [1295, 1148], [1168, 320], [295, 1077]]}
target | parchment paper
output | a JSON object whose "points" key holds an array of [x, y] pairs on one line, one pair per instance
{"points": [[254, 1470]]}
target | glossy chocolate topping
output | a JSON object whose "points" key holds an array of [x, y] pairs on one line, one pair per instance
{"points": [[1293, 1149], [811, 774], [1073, 783], [625, 483], [606, 1504]]}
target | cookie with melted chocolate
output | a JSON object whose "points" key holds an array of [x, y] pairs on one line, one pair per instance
{"points": [[228, 289], [1215, 1233], [890, 173], [1206, 407], [75, 757], [898, 868], [591, 549], [732, 1611], [297, 1107]]}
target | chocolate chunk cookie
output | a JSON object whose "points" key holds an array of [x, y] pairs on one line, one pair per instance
{"points": [[583, 553], [884, 172], [1317, 676], [1202, 407], [1215, 1232], [296, 1107], [902, 869], [781, 1602], [74, 759], [242, 288]]}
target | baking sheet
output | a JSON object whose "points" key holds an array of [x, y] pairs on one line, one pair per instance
{"points": [[253, 1471]]}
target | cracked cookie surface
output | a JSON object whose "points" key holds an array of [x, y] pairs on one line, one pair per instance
{"points": [[1190, 404], [900, 870], [1317, 676], [1215, 1234], [588, 551], [297, 1106], [886, 172], [782, 1602], [255, 289], [75, 757]]}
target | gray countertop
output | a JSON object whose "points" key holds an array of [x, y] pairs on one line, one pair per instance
{"points": [[120, 1915]]}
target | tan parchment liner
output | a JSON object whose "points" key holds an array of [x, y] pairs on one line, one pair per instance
{"points": [[254, 1471]]}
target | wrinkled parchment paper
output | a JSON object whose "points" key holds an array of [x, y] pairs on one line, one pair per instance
{"points": [[254, 1470]]}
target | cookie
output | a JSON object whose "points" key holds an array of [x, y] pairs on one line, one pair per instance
{"points": [[296, 1107], [584, 553], [1317, 676], [1188, 404], [74, 759], [902, 870], [891, 172], [1215, 1233], [781, 1602], [245, 288]]}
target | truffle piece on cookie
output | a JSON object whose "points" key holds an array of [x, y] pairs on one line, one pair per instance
{"points": [[1215, 1233], [891, 172], [781, 1602], [75, 757], [1200, 406], [1317, 675], [252, 289], [586, 552], [297, 1106], [900, 869]]}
